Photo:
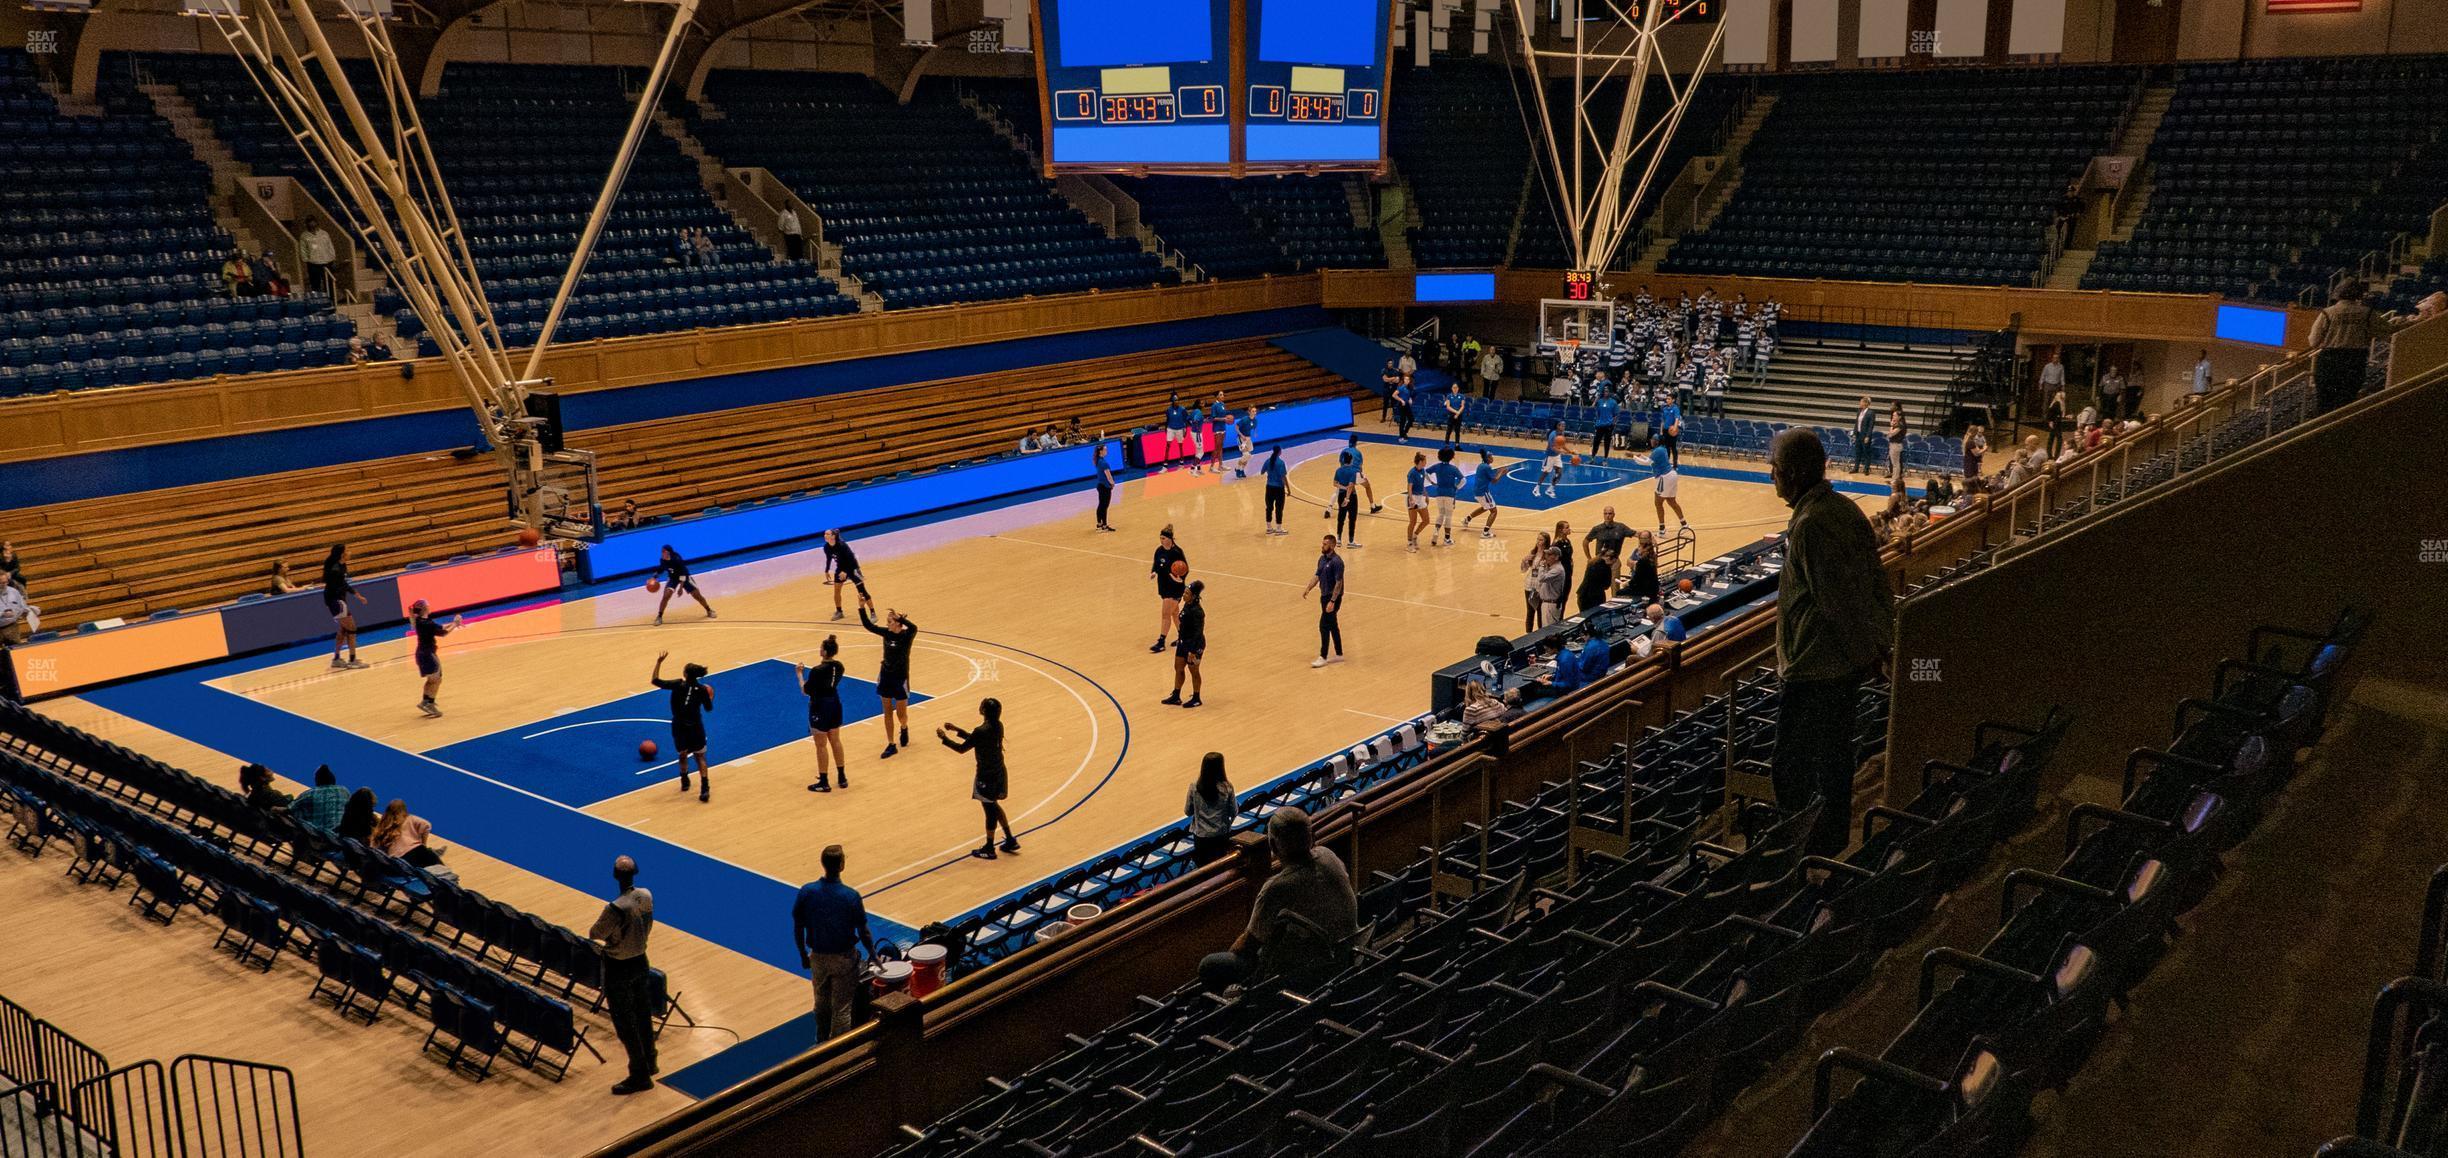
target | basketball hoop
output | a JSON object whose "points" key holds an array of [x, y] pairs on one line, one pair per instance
{"points": [[1568, 349]]}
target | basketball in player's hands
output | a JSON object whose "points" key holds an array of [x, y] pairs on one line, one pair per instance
{"points": [[1180, 569], [654, 586]]}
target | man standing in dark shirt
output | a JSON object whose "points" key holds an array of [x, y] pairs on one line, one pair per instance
{"points": [[628, 986], [1328, 583], [1835, 625], [829, 927], [892, 679], [1608, 535]]}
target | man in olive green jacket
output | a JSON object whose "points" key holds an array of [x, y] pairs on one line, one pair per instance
{"points": [[1835, 625]]}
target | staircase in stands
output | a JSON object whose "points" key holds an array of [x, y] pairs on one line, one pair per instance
{"points": [[715, 177], [2134, 141], [1366, 198], [1821, 383], [229, 178], [1145, 238], [1754, 115], [1393, 217]]}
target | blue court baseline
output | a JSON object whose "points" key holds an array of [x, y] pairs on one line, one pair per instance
{"points": [[590, 755]]}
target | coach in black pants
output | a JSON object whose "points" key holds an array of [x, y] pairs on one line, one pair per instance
{"points": [[1328, 583], [628, 985], [1835, 625]]}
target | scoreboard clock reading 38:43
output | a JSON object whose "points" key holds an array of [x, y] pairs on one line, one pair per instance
{"points": [[1223, 87]]}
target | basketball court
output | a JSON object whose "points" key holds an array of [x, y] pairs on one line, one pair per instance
{"points": [[534, 782]]}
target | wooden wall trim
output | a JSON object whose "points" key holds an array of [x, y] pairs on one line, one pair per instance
{"points": [[51, 425], [2094, 314]]}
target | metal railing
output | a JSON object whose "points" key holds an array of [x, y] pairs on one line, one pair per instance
{"points": [[228, 1108], [196, 1107]]}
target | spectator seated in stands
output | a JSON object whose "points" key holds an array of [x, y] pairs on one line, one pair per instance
{"points": [[1939, 491], [255, 782], [19, 620], [1483, 710], [377, 350], [238, 276], [703, 244], [1301, 927], [322, 806], [280, 583], [623, 518], [404, 835], [357, 818], [268, 279]]}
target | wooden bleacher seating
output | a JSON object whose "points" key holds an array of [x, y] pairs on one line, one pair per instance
{"points": [[190, 547]]}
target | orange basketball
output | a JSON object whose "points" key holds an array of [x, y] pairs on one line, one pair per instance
{"points": [[529, 537], [1180, 569], [653, 586], [647, 749], [1683, 585], [1572, 459]]}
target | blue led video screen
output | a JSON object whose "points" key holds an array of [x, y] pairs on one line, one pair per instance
{"points": [[2252, 324], [1111, 33], [1137, 82], [1345, 32]]}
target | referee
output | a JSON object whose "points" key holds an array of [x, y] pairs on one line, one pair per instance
{"points": [[842, 567]]}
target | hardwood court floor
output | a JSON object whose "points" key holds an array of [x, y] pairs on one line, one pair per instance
{"points": [[1028, 604]]}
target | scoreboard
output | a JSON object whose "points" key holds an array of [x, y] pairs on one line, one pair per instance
{"points": [[1136, 82], [1678, 11], [1225, 87], [1317, 81]]}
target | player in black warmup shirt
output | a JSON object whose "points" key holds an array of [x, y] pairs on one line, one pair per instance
{"points": [[842, 567], [1191, 645], [822, 683], [674, 573], [1168, 585], [429, 652], [892, 679], [337, 591], [993, 783], [691, 699]]}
